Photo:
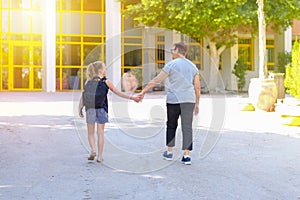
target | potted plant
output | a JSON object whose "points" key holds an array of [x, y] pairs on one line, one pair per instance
{"points": [[131, 80]]}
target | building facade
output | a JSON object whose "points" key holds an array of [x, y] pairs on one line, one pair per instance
{"points": [[47, 45]]}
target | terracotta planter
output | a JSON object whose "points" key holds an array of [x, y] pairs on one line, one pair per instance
{"points": [[263, 94], [129, 82]]}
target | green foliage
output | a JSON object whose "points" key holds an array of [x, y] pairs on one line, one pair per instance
{"points": [[284, 58], [217, 20], [240, 71], [292, 80], [281, 13]]}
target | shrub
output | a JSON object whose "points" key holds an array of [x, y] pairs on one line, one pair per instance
{"points": [[292, 78], [240, 71], [284, 58]]}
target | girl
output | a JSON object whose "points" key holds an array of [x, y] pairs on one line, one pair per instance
{"points": [[100, 115]]}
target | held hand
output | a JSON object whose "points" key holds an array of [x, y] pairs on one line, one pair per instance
{"points": [[141, 96], [135, 98]]}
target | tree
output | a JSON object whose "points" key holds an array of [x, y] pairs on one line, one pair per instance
{"points": [[218, 21], [292, 81]]}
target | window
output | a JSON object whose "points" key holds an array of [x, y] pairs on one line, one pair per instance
{"points": [[245, 52], [80, 40], [20, 45], [132, 53], [270, 54], [195, 50], [160, 51]]}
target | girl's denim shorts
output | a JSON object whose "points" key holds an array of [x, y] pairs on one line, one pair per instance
{"points": [[98, 116]]}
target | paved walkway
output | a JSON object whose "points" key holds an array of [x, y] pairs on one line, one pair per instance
{"points": [[237, 155]]}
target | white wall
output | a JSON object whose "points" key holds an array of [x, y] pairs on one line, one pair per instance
{"points": [[229, 57]]}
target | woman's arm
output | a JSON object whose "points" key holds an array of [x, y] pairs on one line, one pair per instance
{"points": [[197, 93], [121, 94], [156, 80]]}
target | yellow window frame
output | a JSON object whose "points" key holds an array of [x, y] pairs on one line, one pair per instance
{"points": [[31, 43], [270, 44], [60, 42], [249, 45], [159, 58]]}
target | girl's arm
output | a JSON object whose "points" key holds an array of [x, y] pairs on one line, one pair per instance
{"points": [[121, 94], [80, 107]]}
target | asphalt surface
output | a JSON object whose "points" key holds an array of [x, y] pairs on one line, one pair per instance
{"points": [[237, 155]]}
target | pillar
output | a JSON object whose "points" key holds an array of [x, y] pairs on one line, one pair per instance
{"points": [[49, 43], [288, 40], [113, 41]]}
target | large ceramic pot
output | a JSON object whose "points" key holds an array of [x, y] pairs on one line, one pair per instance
{"points": [[129, 82], [263, 94]]}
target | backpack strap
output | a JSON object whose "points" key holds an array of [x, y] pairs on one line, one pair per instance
{"points": [[104, 81], [98, 77]]}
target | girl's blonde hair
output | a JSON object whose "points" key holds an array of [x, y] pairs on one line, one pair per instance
{"points": [[94, 69]]}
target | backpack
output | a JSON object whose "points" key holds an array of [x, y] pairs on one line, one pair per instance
{"points": [[95, 93]]}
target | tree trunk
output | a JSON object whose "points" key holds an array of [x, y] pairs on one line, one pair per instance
{"points": [[215, 82], [263, 69]]}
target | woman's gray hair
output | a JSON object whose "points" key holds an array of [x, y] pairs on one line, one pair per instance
{"points": [[182, 48]]}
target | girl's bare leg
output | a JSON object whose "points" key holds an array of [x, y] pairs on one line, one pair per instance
{"points": [[91, 139], [100, 133]]}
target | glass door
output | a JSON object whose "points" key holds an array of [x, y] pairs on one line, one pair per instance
{"points": [[25, 70], [20, 66]]}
